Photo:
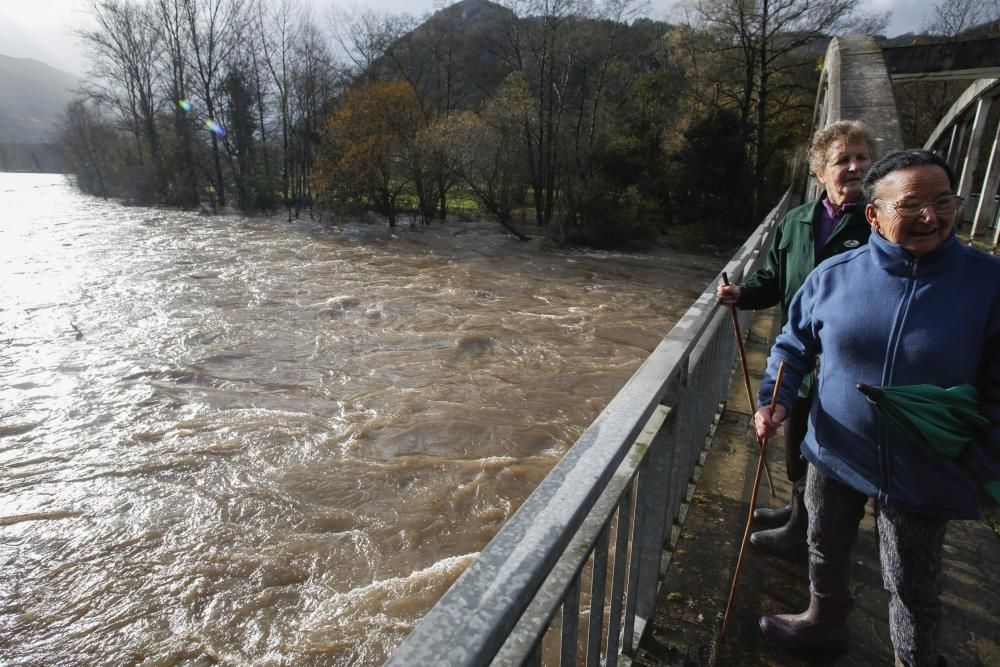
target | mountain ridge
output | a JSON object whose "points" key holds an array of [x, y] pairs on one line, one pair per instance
{"points": [[35, 94]]}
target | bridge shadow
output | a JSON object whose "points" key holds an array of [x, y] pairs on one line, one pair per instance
{"points": [[693, 594]]}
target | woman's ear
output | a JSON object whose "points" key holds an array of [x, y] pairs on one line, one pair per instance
{"points": [[871, 215]]}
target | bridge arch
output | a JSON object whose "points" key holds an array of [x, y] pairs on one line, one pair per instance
{"points": [[855, 85], [960, 138]]}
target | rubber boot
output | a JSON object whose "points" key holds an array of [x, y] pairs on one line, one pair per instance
{"points": [[788, 541], [768, 516], [821, 627]]}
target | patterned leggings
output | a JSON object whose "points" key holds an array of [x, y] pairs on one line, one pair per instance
{"points": [[910, 549]]}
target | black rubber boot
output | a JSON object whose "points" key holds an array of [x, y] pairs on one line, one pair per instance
{"points": [[821, 627], [788, 541], [776, 516]]}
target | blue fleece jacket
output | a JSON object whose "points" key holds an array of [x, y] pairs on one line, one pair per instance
{"points": [[879, 316]]}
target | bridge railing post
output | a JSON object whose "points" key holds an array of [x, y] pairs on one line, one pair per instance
{"points": [[971, 161], [654, 486]]}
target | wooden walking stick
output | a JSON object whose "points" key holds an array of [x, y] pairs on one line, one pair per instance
{"points": [[746, 374], [753, 502]]}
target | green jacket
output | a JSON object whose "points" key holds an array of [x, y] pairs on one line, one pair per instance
{"points": [[793, 256]]}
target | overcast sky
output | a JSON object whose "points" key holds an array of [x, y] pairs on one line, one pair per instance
{"points": [[42, 29]]}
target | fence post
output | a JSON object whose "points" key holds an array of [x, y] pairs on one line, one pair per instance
{"points": [[652, 524]]}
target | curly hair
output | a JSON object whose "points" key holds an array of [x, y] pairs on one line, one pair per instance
{"points": [[847, 131]]}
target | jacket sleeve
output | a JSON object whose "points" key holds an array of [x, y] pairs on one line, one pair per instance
{"points": [[797, 345], [763, 288]]}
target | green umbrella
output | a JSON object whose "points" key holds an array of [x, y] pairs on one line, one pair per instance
{"points": [[944, 420]]}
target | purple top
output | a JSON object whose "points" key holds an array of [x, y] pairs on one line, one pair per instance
{"points": [[828, 219]]}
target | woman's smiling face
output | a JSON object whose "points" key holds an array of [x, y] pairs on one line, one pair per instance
{"points": [[921, 185]]}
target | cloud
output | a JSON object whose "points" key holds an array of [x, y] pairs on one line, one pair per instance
{"points": [[905, 15]]}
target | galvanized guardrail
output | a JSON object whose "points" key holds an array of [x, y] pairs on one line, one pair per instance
{"points": [[603, 516]]}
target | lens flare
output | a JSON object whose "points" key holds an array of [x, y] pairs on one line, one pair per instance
{"points": [[184, 104], [215, 127]]}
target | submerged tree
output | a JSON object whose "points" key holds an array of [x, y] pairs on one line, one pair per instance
{"points": [[483, 150], [215, 28], [181, 170], [124, 76], [88, 144], [276, 27], [367, 153], [315, 84]]}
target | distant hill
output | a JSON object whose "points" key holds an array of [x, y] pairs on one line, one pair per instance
{"points": [[460, 54], [987, 30], [451, 57], [34, 95]]}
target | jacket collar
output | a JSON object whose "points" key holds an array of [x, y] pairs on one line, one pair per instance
{"points": [[845, 209], [895, 259], [810, 211]]}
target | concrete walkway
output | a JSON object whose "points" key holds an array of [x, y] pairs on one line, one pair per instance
{"points": [[693, 596]]}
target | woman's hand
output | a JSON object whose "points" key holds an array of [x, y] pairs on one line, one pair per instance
{"points": [[727, 295], [766, 421]]}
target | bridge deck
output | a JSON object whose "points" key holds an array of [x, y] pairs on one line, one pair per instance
{"points": [[691, 601]]}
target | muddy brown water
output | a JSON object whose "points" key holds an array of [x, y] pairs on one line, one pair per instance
{"points": [[248, 441]]}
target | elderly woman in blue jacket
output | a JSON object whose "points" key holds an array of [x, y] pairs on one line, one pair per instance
{"points": [[914, 306], [839, 154]]}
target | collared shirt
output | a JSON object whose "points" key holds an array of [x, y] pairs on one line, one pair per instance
{"points": [[828, 219]]}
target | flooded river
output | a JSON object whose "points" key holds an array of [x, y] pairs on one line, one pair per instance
{"points": [[247, 441]]}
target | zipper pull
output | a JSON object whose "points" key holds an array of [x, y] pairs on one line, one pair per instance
{"points": [[913, 271]]}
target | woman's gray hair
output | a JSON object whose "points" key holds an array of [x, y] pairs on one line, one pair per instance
{"points": [[913, 157], [847, 131]]}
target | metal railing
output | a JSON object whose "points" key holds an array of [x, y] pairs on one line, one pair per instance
{"points": [[603, 516], [961, 138]]}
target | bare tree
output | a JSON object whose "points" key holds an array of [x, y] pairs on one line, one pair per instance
{"points": [[124, 47], [238, 114], [764, 41], [87, 143], [365, 37], [278, 27], [483, 149], [174, 40], [215, 28], [596, 47], [534, 42], [564, 49], [951, 18], [314, 84]]}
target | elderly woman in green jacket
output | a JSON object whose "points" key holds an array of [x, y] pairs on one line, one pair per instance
{"points": [[839, 155]]}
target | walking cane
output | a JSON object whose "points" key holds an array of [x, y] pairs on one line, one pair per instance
{"points": [[753, 502], [746, 373]]}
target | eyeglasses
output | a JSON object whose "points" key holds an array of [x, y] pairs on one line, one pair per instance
{"points": [[911, 208]]}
